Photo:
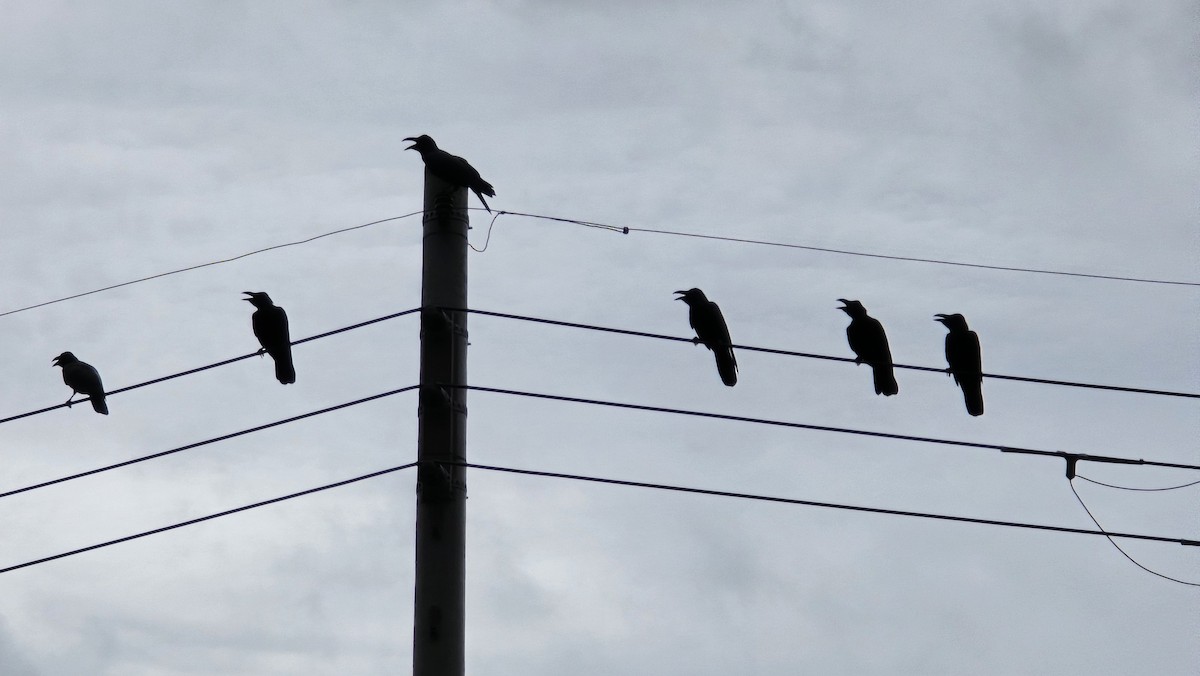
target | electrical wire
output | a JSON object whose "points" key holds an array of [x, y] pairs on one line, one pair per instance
{"points": [[206, 367], [1110, 537], [829, 505], [206, 442], [205, 518], [810, 355], [845, 252], [1131, 488], [827, 428], [208, 264]]}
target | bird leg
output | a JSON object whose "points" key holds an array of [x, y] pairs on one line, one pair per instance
{"points": [[696, 340], [70, 400], [261, 351]]}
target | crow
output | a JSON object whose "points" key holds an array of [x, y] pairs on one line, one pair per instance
{"points": [[870, 345], [965, 362], [451, 168], [82, 378], [271, 328], [705, 317]]}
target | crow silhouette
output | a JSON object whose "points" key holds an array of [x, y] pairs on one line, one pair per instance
{"points": [[451, 168], [870, 345], [82, 378], [706, 319], [270, 325], [964, 359]]}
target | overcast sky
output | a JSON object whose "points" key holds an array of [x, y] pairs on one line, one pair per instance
{"points": [[137, 138]]}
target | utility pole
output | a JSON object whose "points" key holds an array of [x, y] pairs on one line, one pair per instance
{"points": [[440, 598]]}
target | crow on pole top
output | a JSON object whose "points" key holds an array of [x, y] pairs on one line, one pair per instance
{"points": [[451, 168]]}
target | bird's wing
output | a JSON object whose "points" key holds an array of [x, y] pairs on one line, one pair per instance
{"points": [[83, 378], [869, 341], [710, 325], [962, 354], [271, 328]]}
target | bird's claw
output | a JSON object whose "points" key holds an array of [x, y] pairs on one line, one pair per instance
{"points": [[696, 340], [261, 351]]}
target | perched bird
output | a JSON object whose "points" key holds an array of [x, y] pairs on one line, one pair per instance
{"points": [[870, 346], [705, 317], [82, 378], [963, 356], [271, 328], [451, 168]]}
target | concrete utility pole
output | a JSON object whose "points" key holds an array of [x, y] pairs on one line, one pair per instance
{"points": [[439, 613]]}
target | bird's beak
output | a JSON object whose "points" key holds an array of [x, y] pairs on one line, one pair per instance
{"points": [[54, 362], [413, 139], [682, 295], [940, 318]]}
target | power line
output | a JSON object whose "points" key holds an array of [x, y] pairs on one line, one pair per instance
{"points": [[205, 518], [810, 355], [1131, 488], [845, 252], [206, 442], [1069, 457], [830, 505], [212, 366], [1123, 552], [208, 264]]}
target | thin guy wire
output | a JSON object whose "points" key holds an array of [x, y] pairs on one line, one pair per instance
{"points": [[1131, 488], [205, 518], [810, 355], [208, 264], [827, 428], [829, 505], [486, 239], [845, 252], [206, 442], [1123, 552], [209, 366]]}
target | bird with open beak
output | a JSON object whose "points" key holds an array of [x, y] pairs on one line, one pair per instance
{"points": [[82, 378], [711, 330], [870, 344], [964, 359], [451, 168]]}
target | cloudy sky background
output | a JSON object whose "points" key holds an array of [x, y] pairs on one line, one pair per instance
{"points": [[137, 138]]}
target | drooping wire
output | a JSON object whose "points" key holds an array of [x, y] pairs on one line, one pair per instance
{"points": [[209, 366], [1131, 488], [206, 518], [485, 239], [845, 252], [1110, 537], [197, 444], [208, 264], [826, 428], [829, 505], [810, 355]]}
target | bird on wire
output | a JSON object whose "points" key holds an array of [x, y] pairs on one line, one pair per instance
{"points": [[451, 168], [711, 330], [964, 359], [270, 325], [82, 378], [870, 345]]}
